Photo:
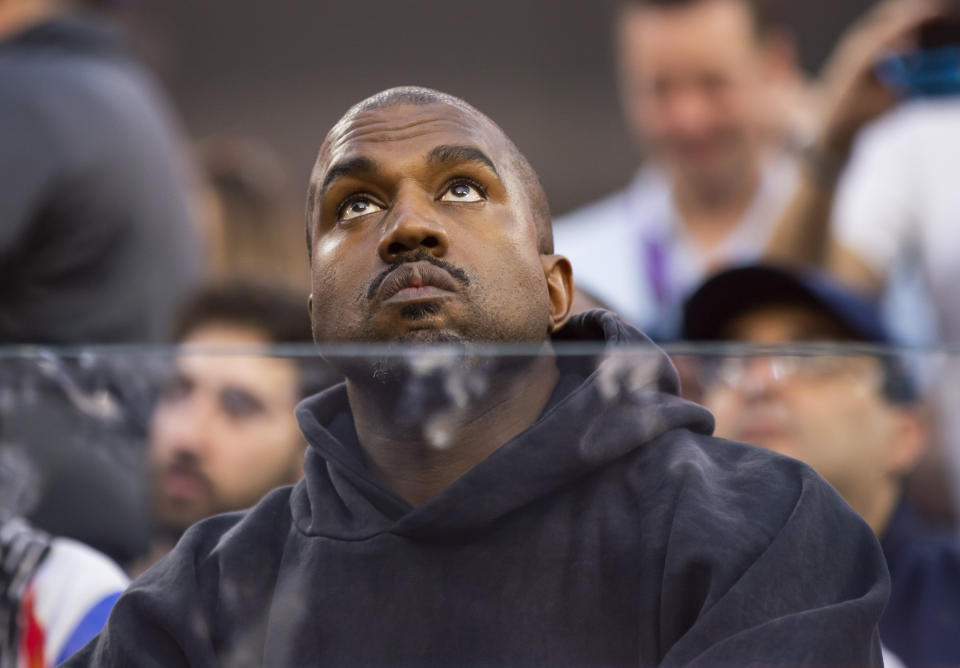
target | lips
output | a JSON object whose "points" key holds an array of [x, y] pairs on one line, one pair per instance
{"points": [[417, 280], [184, 485]]}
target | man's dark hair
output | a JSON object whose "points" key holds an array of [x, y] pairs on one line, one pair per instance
{"points": [[278, 312], [420, 96], [767, 14]]}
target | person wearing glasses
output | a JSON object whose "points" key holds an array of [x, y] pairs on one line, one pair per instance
{"points": [[856, 418]]}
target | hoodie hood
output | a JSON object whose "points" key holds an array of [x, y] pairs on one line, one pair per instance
{"points": [[606, 405]]}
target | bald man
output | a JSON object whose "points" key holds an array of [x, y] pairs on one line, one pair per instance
{"points": [[535, 509]]}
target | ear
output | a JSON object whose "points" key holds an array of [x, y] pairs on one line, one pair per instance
{"points": [[559, 275], [909, 435], [310, 305]]}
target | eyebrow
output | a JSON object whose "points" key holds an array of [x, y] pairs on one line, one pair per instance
{"points": [[351, 167], [448, 155]]}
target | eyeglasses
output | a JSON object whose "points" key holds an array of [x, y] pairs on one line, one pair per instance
{"points": [[736, 371]]}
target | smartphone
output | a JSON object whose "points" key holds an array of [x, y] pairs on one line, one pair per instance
{"points": [[933, 68]]}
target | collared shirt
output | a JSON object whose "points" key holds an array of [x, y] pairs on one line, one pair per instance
{"points": [[631, 251]]}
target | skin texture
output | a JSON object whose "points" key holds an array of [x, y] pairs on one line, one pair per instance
{"points": [[430, 236], [836, 421], [223, 433], [694, 81]]}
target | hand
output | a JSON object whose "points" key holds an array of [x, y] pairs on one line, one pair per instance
{"points": [[850, 93]]}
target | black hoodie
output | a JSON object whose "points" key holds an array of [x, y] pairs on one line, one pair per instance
{"points": [[614, 531]]}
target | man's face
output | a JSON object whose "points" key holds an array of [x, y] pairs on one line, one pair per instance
{"points": [[692, 82], [224, 432], [827, 411], [423, 233]]}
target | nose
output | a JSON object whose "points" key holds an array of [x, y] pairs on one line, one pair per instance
{"points": [[180, 429], [761, 376], [413, 224], [691, 112]]}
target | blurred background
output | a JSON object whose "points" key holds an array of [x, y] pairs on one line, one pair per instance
{"points": [[283, 72]]}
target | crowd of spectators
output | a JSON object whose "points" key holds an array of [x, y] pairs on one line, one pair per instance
{"points": [[807, 219]]}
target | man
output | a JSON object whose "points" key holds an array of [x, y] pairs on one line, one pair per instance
{"points": [[853, 418], [223, 433], [699, 80], [96, 239], [551, 515]]}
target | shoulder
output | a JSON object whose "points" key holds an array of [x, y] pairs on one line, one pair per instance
{"points": [[234, 546], [922, 557], [208, 594], [744, 494], [233, 540], [911, 130]]}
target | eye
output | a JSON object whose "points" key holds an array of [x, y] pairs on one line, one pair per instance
{"points": [[463, 192], [357, 207], [238, 403]]}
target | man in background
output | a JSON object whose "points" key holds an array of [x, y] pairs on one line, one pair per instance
{"points": [[96, 238], [702, 83], [223, 433], [855, 419]]}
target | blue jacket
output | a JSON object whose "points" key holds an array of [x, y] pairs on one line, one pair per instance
{"points": [[921, 624]]}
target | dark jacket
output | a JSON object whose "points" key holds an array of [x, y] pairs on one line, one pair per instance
{"points": [[97, 244], [921, 624], [614, 531]]}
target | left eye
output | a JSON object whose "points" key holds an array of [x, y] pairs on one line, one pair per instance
{"points": [[462, 192]]}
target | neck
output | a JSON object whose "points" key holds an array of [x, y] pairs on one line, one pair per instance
{"points": [[421, 454], [710, 214], [877, 508], [18, 15]]}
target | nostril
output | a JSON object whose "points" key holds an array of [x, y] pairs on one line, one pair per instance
{"points": [[430, 242], [396, 248]]}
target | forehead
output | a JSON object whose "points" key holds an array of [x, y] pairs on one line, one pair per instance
{"points": [[786, 323], [409, 131], [707, 29], [236, 357]]}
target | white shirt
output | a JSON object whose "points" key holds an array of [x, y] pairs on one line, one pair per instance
{"points": [[630, 251], [898, 205]]}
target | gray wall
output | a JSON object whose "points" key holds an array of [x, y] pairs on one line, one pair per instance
{"points": [[284, 71]]}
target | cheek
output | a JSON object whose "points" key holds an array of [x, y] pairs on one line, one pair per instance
{"points": [[253, 452], [163, 435], [726, 408], [836, 428]]}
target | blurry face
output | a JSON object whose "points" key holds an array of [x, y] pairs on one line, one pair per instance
{"points": [[423, 233], [224, 432], [826, 411], [692, 81]]}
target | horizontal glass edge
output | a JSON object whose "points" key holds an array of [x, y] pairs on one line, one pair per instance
{"points": [[566, 349]]}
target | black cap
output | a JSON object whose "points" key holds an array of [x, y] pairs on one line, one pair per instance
{"points": [[733, 292]]}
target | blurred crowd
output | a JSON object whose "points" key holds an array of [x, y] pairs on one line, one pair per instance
{"points": [[771, 208]]}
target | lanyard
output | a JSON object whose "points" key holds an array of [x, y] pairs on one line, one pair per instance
{"points": [[656, 261]]}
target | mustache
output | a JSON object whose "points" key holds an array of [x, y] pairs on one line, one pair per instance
{"points": [[187, 464], [420, 256]]}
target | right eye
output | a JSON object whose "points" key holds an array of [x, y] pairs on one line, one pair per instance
{"points": [[357, 207]]}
